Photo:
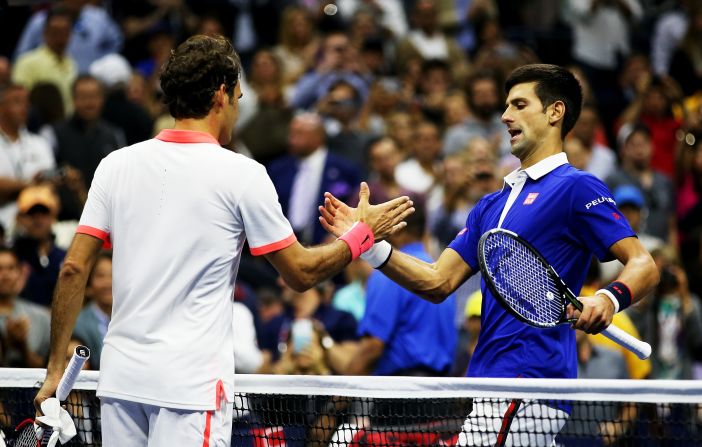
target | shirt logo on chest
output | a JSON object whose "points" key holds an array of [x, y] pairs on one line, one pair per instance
{"points": [[530, 198]]}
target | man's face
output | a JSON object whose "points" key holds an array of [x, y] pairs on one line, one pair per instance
{"points": [[88, 99], [427, 142], [9, 274], [37, 222], [484, 98], [384, 158], [304, 136], [57, 33], [100, 286], [632, 214], [342, 103], [526, 120], [14, 107], [586, 126], [638, 150]]}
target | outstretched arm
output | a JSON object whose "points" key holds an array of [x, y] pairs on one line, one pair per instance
{"points": [[302, 267], [431, 281]]}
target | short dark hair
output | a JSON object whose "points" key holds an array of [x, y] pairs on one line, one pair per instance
{"points": [[553, 83], [86, 78], [57, 11], [417, 221], [195, 71]]}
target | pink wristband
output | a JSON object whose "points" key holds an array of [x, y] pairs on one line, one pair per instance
{"points": [[359, 238]]}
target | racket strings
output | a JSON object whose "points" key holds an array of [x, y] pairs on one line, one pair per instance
{"points": [[522, 280], [27, 437]]}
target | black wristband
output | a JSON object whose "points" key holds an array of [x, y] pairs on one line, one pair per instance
{"points": [[386, 260], [621, 293]]}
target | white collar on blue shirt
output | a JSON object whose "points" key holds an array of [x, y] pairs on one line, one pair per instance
{"points": [[538, 170]]}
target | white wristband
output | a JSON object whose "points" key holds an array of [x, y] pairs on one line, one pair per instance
{"points": [[378, 254], [609, 295]]}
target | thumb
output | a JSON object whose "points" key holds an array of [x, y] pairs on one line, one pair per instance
{"points": [[363, 193]]}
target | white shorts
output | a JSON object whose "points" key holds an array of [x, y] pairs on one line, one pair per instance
{"points": [[511, 423], [132, 424]]}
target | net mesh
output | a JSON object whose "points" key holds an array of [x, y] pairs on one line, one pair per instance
{"points": [[521, 279], [400, 411]]}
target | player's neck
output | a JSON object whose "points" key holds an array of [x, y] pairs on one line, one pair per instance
{"points": [[206, 125], [543, 151]]}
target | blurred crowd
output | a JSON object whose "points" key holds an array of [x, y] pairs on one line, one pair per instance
{"points": [[404, 94]]}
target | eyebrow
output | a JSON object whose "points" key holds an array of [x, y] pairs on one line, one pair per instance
{"points": [[515, 100]]}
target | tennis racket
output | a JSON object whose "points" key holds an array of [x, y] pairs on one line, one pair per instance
{"points": [[28, 433], [531, 290]]}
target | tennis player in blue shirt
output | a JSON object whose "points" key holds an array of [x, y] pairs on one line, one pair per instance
{"points": [[567, 215]]}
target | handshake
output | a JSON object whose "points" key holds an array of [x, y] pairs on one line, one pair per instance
{"points": [[366, 224]]}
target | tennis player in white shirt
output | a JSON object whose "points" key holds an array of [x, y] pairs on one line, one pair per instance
{"points": [[177, 210]]}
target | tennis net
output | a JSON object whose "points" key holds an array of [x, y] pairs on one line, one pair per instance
{"points": [[413, 411]]}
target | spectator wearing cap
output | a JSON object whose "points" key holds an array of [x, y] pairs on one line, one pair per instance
{"points": [[636, 152], [51, 61], [115, 72], [467, 334], [34, 244], [23, 155], [24, 326], [632, 205]]}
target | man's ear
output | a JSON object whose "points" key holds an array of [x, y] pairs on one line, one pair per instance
{"points": [[556, 112], [220, 96]]}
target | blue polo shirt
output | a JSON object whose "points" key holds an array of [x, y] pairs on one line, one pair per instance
{"points": [[567, 215], [416, 332]]}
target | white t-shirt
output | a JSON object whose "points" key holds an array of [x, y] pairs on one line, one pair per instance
{"points": [[22, 159], [177, 210]]}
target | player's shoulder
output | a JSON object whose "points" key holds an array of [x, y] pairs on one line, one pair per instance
{"points": [[487, 200], [579, 179]]}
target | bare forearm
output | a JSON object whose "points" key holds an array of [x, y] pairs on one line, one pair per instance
{"points": [[68, 299], [302, 268], [641, 275], [419, 277], [632, 112]]}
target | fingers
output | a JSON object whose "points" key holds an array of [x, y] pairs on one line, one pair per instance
{"points": [[326, 214], [363, 194], [329, 228], [394, 203], [594, 317]]}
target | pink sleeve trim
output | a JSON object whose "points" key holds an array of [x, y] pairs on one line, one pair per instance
{"points": [[95, 232], [275, 246]]}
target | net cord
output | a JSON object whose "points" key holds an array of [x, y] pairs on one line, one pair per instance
{"points": [[650, 391]]}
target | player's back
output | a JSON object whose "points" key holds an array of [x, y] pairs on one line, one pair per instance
{"points": [[177, 235]]}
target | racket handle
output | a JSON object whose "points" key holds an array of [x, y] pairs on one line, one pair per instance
{"points": [[633, 344], [70, 375]]}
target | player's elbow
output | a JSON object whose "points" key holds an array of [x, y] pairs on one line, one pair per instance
{"points": [[300, 282], [437, 293], [71, 269]]}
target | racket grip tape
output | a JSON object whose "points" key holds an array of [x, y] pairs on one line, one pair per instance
{"points": [[70, 375], [638, 347]]}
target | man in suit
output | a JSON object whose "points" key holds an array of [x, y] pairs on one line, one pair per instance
{"points": [[302, 176]]}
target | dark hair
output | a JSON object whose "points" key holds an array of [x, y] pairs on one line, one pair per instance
{"points": [[57, 12], [417, 221], [84, 78], [553, 83], [638, 127], [195, 71], [357, 98]]}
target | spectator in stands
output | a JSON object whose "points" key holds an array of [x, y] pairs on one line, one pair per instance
{"points": [[340, 108], [114, 72], [654, 107], [38, 207], [485, 103], [669, 29], [302, 177], [434, 84], [352, 297], [635, 152], [51, 61], [400, 334], [298, 44], [95, 34], [689, 206], [390, 14], [92, 322], [26, 155], [671, 320], [383, 158], [420, 172], [5, 70], [265, 133], [336, 62], [467, 334], [601, 33], [269, 305], [686, 62], [247, 356], [84, 140], [600, 160], [427, 41], [632, 205], [276, 334], [24, 326]]}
